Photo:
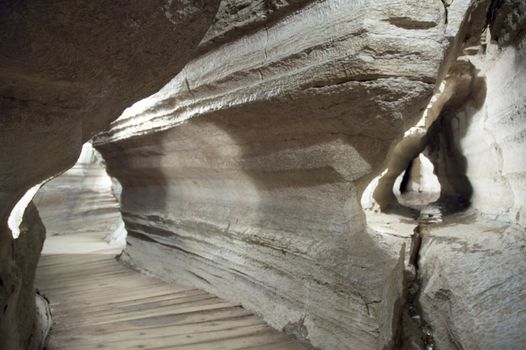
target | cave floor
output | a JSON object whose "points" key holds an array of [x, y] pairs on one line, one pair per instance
{"points": [[97, 303]]}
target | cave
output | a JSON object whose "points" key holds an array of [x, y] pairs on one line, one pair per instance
{"points": [[417, 186], [264, 175]]}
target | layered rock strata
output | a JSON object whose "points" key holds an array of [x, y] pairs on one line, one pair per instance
{"points": [[424, 139], [491, 135], [68, 68], [473, 284], [22, 327], [472, 268], [243, 175], [81, 201]]}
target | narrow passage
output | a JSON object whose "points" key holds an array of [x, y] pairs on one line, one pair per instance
{"points": [[97, 303]]}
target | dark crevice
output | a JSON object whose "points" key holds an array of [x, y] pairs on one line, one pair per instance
{"points": [[492, 11], [415, 329], [409, 23], [199, 277], [445, 10], [440, 144], [406, 177]]}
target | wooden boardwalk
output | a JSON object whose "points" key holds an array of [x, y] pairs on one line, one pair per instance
{"points": [[97, 303]]}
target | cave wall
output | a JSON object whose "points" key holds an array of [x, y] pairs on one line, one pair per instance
{"points": [[20, 326], [477, 141], [472, 267], [67, 69], [65, 77], [81, 200], [472, 273], [492, 138], [243, 175]]}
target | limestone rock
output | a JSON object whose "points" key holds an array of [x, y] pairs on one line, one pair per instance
{"points": [[236, 18], [44, 320], [492, 137], [64, 77], [80, 201], [67, 69], [18, 314], [507, 21], [473, 283], [243, 175], [472, 268]]}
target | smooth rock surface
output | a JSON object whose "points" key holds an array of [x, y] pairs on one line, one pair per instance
{"points": [[493, 137], [80, 202], [68, 68], [474, 283], [472, 268], [243, 175], [64, 79], [20, 325], [286, 251]]}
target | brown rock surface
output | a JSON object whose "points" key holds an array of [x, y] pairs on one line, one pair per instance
{"points": [[18, 317], [473, 283], [243, 175], [80, 203], [68, 68], [473, 268]]}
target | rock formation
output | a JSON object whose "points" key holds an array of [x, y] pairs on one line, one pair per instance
{"points": [[243, 175], [470, 268], [67, 69], [19, 326], [81, 201], [473, 267]]}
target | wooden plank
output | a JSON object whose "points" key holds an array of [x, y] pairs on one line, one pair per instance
{"points": [[100, 304]]}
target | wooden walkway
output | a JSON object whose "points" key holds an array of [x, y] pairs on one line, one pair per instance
{"points": [[97, 303]]}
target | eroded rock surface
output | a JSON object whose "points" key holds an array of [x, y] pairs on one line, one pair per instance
{"points": [[68, 68], [472, 268], [80, 201], [65, 78], [492, 137], [21, 326], [474, 290], [243, 175]]}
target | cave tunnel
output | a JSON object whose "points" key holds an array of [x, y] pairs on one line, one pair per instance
{"points": [[262, 175]]}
